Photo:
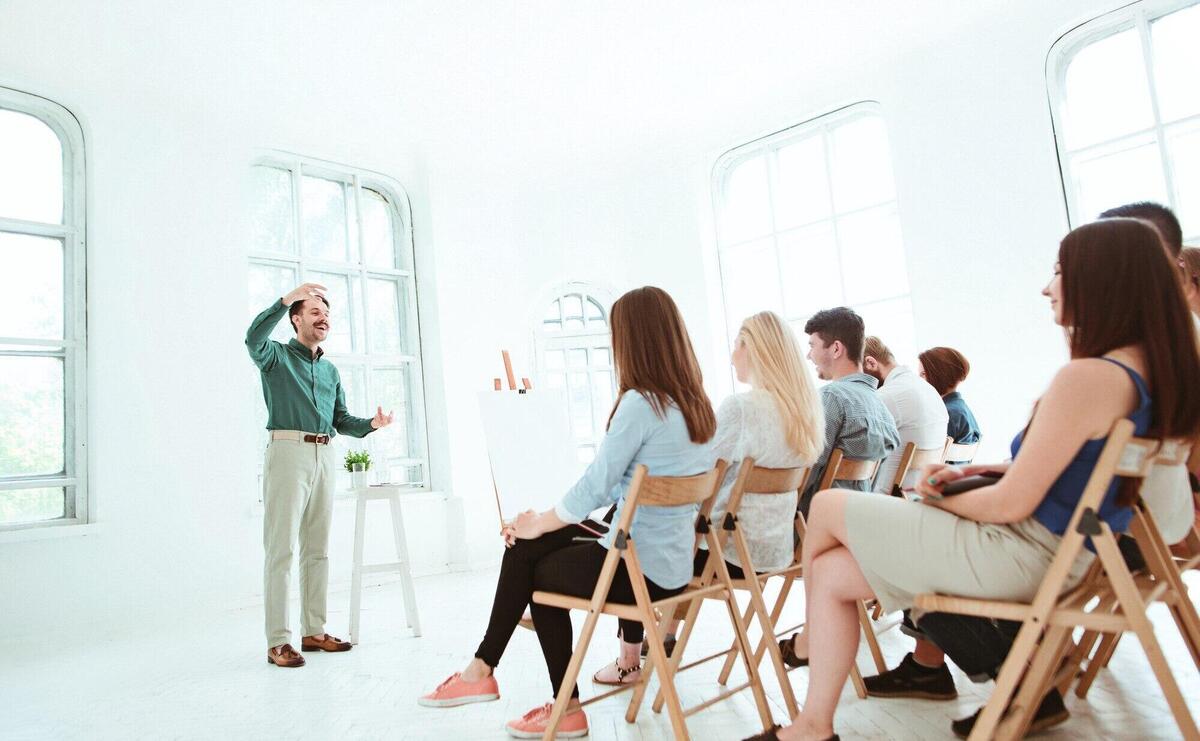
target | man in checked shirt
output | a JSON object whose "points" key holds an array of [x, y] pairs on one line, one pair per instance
{"points": [[856, 420]]}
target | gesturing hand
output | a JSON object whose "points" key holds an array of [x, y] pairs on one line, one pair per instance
{"points": [[303, 292], [381, 420]]}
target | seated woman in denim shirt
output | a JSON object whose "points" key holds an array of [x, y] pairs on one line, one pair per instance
{"points": [[662, 419], [944, 368]]}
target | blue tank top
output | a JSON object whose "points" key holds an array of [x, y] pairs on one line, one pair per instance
{"points": [[1059, 504]]}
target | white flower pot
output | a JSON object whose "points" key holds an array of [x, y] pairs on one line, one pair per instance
{"points": [[358, 477]]}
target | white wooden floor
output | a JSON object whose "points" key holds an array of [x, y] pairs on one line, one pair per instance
{"points": [[212, 681]]}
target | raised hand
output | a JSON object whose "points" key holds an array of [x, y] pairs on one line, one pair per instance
{"points": [[381, 419], [303, 292]]}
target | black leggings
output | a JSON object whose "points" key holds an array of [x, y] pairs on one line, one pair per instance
{"points": [[554, 563]]}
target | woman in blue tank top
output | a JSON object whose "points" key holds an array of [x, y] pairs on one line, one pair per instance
{"points": [[1133, 356]]}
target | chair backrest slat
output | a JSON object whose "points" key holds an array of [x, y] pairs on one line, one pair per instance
{"points": [[851, 470], [675, 491], [960, 452], [774, 480]]}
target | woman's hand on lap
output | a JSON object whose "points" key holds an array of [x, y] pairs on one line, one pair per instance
{"points": [[527, 525]]}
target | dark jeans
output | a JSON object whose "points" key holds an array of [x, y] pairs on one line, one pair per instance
{"points": [[554, 563]]}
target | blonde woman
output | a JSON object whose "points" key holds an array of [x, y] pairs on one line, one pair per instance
{"points": [[781, 424]]}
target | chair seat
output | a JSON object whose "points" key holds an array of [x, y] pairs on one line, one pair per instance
{"points": [[628, 612]]}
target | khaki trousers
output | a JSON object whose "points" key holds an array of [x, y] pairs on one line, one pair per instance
{"points": [[298, 485]]}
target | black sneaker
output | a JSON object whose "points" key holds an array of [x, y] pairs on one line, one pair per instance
{"points": [[1050, 713], [910, 629], [668, 644], [910, 679]]}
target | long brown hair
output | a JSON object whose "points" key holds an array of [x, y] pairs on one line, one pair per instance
{"points": [[1119, 288], [654, 355]]}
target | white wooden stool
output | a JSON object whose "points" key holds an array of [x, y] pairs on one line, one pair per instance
{"points": [[362, 496]]}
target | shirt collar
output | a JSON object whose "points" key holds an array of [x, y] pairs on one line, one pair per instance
{"points": [[296, 345], [952, 396], [859, 378]]}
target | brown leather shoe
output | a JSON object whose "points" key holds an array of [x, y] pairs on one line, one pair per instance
{"points": [[328, 643], [284, 656]]}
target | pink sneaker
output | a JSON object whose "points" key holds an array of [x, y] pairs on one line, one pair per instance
{"points": [[456, 691], [534, 723]]}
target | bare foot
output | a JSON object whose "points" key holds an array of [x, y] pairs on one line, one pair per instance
{"points": [[476, 671]]}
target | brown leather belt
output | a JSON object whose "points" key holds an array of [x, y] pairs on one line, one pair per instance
{"points": [[299, 436]]}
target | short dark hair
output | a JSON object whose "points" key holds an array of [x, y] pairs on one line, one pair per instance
{"points": [[298, 306], [840, 324], [1156, 213], [945, 368]]}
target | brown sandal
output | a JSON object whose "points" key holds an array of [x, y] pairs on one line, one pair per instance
{"points": [[622, 673]]}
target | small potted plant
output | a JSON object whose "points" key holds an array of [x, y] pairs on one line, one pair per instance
{"points": [[358, 463]]}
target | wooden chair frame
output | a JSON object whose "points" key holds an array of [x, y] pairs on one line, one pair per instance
{"points": [[1047, 622], [961, 452], [660, 492], [750, 479], [839, 468]]}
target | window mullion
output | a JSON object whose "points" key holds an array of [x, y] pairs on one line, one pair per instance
{"points": [[833, 217], [1143, 27]]}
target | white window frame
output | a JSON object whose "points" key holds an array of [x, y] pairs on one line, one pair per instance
{"points": [[366, 360], [1137, 15], [765, 146], [585, 339], [73, 232]]}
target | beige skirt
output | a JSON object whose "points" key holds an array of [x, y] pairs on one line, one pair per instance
{"points": [[907, 548]]}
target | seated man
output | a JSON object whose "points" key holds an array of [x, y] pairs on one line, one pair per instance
{"points": [[856, 420], [920, 414]]}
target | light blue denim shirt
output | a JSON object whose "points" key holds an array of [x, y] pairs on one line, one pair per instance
{"points": [[664, 535]]}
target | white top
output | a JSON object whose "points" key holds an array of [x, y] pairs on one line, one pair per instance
{"points": [[749, 424], [921, 418]]}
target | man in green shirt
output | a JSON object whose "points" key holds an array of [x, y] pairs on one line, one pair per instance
{"points": [[306, 407]]}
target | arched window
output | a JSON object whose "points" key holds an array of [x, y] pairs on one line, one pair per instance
{"points": [[351, 231], [43, 342], [1126, 111], [807, 220], [575, 352]]}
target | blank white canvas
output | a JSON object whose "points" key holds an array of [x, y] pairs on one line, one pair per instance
{"points": [[530, 446]]}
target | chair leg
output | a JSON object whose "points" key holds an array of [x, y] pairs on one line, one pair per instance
{"points": [[1134, 611], [1098, 661], [360, 513], [872, 642], [756, 686], [1023, 647], [563, 699], [768, 635], [731, 658], [1035, 684], [759, 607], [681, 642]]}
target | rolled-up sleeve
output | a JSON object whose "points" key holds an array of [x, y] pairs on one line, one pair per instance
{"points": [[597, 486]]}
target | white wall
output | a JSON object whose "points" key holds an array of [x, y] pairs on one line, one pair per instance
{"points": [[539, 143]]}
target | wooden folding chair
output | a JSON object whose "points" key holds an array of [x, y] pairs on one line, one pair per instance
{"points": [[764, 482], [1161, 579], [960, 452], [839, 468], [1049, 620], [657, 491]]}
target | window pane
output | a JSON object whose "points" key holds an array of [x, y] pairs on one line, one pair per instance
{"points": [[572, 312], [31, 505], [1124, 176], [862, 165], [31, 169], [1183, 144], [383, 312], [577, 358], [602, 398], [33, 268], [802, 191], [552, 322], [746, 209], [872, 248], [272, 220], [337, 290], [580, 393], [392, 389], [1176, 40], [554, 360], [809, 270], [1106, 94], [323, 210], [595, 313], [354, 385], [892, 322], [750, 276], [269, 282], [32, 433], [378, 234]]}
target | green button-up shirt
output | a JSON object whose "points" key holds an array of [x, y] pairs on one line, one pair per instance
{"points": [[303, 391]]}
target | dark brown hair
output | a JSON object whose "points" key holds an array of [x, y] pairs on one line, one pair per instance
{"points": [[839, 325], [298, 306], [945, 368], [1119, 288], [1163, 218], [654, 355]]}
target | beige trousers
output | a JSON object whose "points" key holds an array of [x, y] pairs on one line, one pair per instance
{"points": [[298, 485]]}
